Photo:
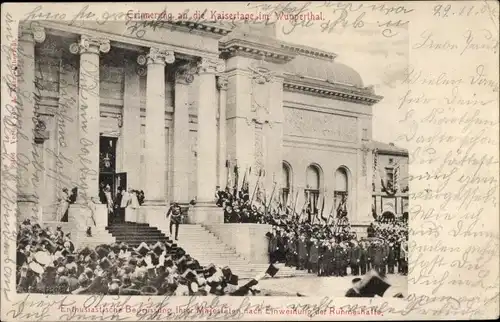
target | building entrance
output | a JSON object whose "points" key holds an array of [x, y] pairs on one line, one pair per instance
{"points": [[110, 182]]}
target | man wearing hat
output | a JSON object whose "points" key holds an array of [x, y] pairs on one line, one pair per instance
{"points": [[354, 258]]}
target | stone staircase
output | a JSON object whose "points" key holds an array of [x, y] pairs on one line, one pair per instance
{"points": [[208, 248], [201, 244], [135, 233]]}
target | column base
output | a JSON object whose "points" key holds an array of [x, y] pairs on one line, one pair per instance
{"points": [[154, 216], [205, 213], [26, 210], [80, 218], [154, 203]]}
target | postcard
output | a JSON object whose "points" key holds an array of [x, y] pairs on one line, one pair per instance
{"points": [[250, 161]]}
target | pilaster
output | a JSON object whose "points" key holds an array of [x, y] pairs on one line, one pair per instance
{"points": [[131, 129], [26, 99], [184, 77]]}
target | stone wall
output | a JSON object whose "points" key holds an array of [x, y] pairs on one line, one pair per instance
{"points": [[249, 240]]}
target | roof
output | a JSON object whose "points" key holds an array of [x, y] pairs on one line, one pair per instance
{"points": [[389, 148], [329, 71]]}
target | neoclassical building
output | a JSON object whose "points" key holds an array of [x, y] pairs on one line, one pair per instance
{"points": [[172, 110]]}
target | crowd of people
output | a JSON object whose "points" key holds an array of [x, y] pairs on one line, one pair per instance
{"points": [[336, 255], [321, 246], [390, 229], [48, 262]]}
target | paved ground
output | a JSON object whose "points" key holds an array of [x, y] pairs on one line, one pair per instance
{"points": [[324, 286]]}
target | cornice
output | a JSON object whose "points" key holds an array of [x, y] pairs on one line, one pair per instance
{"points": [[308, 51], [267, 50], [342, 92], [200, 26]]}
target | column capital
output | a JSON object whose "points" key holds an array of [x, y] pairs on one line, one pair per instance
{"points": [[222, 82], [211, 66], [184, 74], [159, 56], [88, 44], [32, 32]]}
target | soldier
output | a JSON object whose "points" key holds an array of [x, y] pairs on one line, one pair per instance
{"points": [[337, 259], [363, 258], [344, 259], [391, 259], [291, 250], [378, 261], [385, 249], [175, 214], [313, 256], [273, 246], [328, 258], [404, 257], [370, 252], [354, 258], [302, 252]]}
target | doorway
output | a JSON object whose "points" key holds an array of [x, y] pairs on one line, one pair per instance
{"points": [[108, 177]]}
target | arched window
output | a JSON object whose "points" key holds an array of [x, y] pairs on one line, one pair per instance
{"points": [[312, 187], [341, 186], [285, 183]]}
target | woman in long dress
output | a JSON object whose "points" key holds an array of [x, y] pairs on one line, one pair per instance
{"points": [[109, 199], [62, 210]]}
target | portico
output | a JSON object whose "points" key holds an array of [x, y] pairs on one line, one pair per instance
{"points": [[141, 100], [183, 110]]}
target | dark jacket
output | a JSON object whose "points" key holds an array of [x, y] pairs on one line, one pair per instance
{"points": [[354, 255], [314, 253]]}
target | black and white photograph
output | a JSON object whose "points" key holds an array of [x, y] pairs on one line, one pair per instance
{"points": [[217, 153]]}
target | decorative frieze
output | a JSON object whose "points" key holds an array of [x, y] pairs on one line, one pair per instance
{"points": [[222, 82], [160, 56], [185, 74], [33, 30], [206, 65], [89, 44], [360, 96]]}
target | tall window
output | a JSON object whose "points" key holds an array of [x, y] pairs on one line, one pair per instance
{"points": [[285, 184], [312, 186], [389, 173], [341, 186]]}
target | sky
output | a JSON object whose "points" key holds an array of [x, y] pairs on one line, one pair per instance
{"points": [[380, 60]]}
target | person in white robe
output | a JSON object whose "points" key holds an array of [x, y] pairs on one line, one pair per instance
{"points": [[109, 199], [63, 205], [132, 206]]}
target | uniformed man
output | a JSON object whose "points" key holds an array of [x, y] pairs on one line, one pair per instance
{"points": [[313, 256], [354, 258], [363, 259], [175, 214], [273, 246], [391, 259], [302, 252], [291, 250], [337, 259], [378, 259], [327, 260]]}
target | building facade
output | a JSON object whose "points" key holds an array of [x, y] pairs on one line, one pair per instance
{"points": [[390, 181], [173, 110]]}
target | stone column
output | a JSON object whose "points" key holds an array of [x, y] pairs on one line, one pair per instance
{"points": [[131, 130], [222, 85], [89, 49], [88, 212], [27, 150], [206, 211], [181, 149], [155, 151], [207, 130]]}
